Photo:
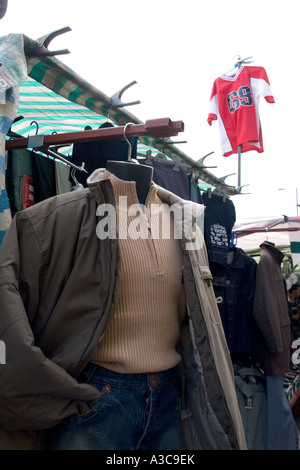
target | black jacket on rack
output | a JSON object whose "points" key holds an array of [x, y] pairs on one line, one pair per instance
{"points": [[234, 287], [95, 154]]}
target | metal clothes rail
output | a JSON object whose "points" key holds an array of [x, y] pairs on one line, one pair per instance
{"points": [[162, 127]]}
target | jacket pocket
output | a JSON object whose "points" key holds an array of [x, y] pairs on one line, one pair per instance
{"points": [[205, 274]]}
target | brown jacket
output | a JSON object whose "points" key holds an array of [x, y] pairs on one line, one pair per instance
{"points": [[59, 284], [270, 311]]}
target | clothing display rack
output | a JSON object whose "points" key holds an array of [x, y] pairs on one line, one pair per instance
{"points": [[162, 158], [162, 127]]}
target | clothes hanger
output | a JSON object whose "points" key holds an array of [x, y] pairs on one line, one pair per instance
{"points": [[176, 164], [220, 193], [238, 64], [57, 155], [216, 192], [36, 142], [77, 184], [267, 242], [161, 157], [132, 170]]}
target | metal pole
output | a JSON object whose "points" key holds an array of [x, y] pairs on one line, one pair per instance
{"points": [[239, 166]]}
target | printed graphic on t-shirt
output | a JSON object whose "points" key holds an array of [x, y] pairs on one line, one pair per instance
{"points": [[218, 235]]}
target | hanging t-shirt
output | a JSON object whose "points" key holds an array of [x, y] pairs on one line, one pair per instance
{"points": [[235, 102], [219, 218]]}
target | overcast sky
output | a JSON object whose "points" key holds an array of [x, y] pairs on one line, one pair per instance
{"points": [[175, 50]]}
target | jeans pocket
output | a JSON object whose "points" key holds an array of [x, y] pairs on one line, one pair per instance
{"points": [[87, 377], [89, 415]]}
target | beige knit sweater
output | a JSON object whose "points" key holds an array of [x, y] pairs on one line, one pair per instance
{"points": [[143, 333]]}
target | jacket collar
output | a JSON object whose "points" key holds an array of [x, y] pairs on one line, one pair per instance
{"points": [[238, 260], [271, 248], [98, 177]]}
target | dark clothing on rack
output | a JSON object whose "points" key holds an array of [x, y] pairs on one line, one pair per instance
{"points": [[44, 177], [32, 177], [219, 218], [195, 193], [19, 173], [282, 432], [270, 311], [96, 154], [250, 386], [234, 286], [175, 181]]}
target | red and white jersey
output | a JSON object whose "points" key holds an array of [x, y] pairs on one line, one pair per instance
{"points": [[235, 102]]}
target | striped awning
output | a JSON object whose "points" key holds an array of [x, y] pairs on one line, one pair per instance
{"points": [[46, 112], [42, 111]]}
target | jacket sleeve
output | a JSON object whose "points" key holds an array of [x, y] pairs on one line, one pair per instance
{"points": [[35, 393], [267, 301]]}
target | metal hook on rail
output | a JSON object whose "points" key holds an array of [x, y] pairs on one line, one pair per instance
{"points": [[37, 127], [200, 163], [239, 189], [223, 178], [116, 97], [44, 41], [36, 140], [168, 141]]}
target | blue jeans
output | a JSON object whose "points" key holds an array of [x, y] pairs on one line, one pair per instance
{"points": [[134, 412]]}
